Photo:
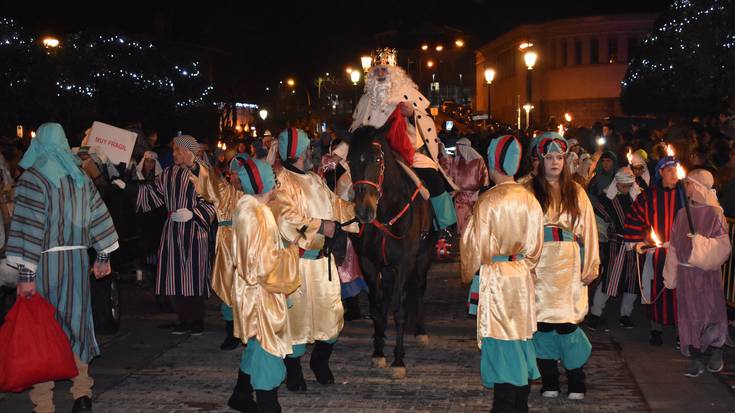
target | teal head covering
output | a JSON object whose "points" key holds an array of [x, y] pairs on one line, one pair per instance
{"points": [[256, 176], [552, 142], [237, 162], [504, 155], [292, 142], [50, 154]]}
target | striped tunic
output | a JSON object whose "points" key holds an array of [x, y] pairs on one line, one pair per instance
{"points": [[45, 217], [183, 254], [656, 208], [620, 268]]}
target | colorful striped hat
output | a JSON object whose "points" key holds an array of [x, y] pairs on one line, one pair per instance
{"points": [[552, 142], [504, 155], [237, 162], [256, 176], [292, 142]]}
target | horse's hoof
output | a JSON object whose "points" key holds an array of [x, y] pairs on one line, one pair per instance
{"points": [[380, 362], [422, 340], [398, 372]]}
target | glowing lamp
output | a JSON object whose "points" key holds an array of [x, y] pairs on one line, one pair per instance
{"points": [[355, 77], [263, 113], [459, 42], [568, 117], [366, 61], [50, 42], [489, 76], [530, 58]]}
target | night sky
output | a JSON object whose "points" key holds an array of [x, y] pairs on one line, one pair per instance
{"points": [[253, 44]]}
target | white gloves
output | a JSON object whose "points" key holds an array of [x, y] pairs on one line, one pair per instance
{"points": [[182, 215], [120, 184]]}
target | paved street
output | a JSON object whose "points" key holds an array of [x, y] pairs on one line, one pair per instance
{"points": [[172, 374]]}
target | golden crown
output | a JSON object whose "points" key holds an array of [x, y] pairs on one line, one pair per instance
{"points": [[385, 56]]}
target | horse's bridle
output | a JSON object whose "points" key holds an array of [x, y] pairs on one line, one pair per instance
{"points": [[381, 170]]}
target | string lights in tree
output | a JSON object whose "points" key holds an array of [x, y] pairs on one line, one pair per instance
{"points": [[686, 65]]}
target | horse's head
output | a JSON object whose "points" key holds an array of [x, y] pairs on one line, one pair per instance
{"points": [[367, 166]]}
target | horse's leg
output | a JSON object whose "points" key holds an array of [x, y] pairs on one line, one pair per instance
{"points": [[400, 315], [377, 311]]}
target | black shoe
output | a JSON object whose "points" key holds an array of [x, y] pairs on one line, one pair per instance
{"points": [[181, 329], [593, 322], [82, 404], [678, 343], [196, 328], [319, 362], [625, 322], [294, 375], [268, 401], [242, 396], [231, 342], [656, 339]]}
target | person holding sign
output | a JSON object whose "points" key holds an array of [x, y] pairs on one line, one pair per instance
{"points": [[50, 249], [183, 255]]}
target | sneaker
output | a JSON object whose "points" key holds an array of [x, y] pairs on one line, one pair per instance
{"points": [[678, 343], [181, 329], [695, 367], [576, 396], [550, 394], [715, 364], [197, 328], [625, 322], [656, 339], [594, 322]]}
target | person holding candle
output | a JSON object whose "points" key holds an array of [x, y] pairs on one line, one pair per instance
{"points": [[620, 271], [693, 268], [569, 263], [654, 209]]}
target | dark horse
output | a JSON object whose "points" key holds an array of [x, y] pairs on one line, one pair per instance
{"points": [[395, 240]]}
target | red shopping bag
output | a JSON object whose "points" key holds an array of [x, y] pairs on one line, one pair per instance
{"points": [[33, 347]]}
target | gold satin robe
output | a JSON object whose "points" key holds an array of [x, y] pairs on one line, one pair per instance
{"points": [[214, 189], [561, 297], [301, 202], [265, 272], [506, 220]]}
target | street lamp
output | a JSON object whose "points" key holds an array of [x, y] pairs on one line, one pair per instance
{"points": [[348, 70], [290, 82], [429, 63], [489, 76], [529, 57], [568, 117], [355, 77], [50, 42], [263, 113], [459, 42], [439, 48], [424, 47], [366, 61]]}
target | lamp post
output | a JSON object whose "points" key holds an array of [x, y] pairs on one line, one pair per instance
{"points": [[489, 76], [529, 58], [528, 107], [366, 62]]}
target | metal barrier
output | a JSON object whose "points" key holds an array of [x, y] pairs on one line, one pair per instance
{"points": [[728, 269]]}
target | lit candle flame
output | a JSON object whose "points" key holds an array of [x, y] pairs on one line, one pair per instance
{"points": [[561, 129], [655, 239], [669, 150], [224, 146], [629, 155], [680, 172], [219, 144]]}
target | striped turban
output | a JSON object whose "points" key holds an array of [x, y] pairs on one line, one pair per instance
{"points": [[292, 142], [256, 176], [187, 142], [504, 155], [552, 142]]}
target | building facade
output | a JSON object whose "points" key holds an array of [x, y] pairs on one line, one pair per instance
{"points": [[580, 64]]}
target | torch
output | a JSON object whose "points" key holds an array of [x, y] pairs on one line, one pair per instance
{"points": [[629, 155], [561, 129], [656, 241]]}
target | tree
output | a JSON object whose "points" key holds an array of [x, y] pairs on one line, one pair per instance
{"points": [[686, 66], [100, 76]]}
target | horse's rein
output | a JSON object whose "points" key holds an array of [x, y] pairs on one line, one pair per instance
{"points": [[381, 167]]}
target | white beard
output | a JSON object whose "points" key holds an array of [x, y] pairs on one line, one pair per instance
{"points": [[378, 93]]}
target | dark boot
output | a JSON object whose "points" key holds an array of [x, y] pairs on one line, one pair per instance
{"points": [[82, 404], [294, 375], [352, 308], [319, 362], [549, 377], [268, 401], [242, 396], [522, 398], [230, 342], [504, 398], [575, 382]]}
